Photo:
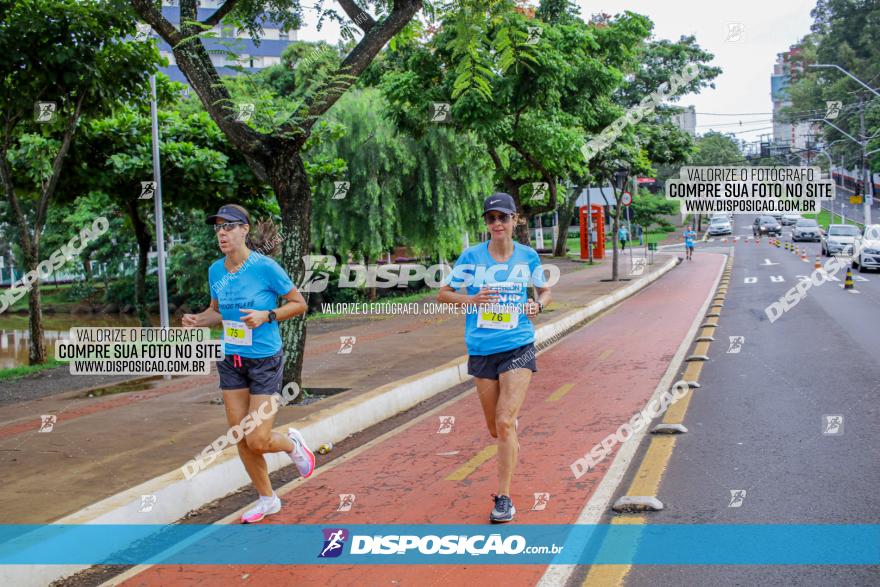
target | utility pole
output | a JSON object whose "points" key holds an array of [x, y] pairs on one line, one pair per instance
{"points": [[867, 198]]}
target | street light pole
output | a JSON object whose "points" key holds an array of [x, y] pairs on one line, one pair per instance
{"points": [[867, 195], [157, 201]]}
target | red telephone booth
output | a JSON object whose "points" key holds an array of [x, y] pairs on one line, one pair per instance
{"points": [[598, 244]]}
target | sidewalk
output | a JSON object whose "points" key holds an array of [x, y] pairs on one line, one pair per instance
{"points": [[101, 446], [588, 384]]}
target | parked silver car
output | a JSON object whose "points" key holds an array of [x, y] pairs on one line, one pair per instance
{"points": [[839, 239]]}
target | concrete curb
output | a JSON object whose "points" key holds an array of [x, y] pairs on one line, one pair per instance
{"points": [[176, 496]]}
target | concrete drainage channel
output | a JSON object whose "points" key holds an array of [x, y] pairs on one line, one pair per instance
{"points": [[176, 496]]}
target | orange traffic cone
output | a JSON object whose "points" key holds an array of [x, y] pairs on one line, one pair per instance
{"points": [[818, 265], [804, 255]]}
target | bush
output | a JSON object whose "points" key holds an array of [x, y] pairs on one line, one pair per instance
{"points": [[83, 292], [121, 291]]}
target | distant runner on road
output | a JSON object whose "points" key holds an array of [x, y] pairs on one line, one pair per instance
{"points": [[689, 235], [498, 330], [245, 287]]}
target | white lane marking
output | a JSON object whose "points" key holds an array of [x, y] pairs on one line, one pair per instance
{"points": [[750, 280], [860, 278], [767, 263], [777, 278]]}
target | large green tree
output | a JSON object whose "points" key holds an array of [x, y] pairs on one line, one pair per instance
{"points": [[531, 90], [200, 170], [844, 33], [275, 154], [423, 191], [72, 53]]}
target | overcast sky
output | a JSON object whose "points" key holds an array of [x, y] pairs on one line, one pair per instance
{"points": [[768, 27]]}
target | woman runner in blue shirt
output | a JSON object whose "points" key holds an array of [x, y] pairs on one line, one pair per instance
{"points": [[498, 330], [245, 287]]}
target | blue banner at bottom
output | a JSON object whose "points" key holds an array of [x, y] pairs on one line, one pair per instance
{"points": [[651, 544]]}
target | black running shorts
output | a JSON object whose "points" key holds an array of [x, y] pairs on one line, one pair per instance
{"points": [[490, 366], [261, 376]]}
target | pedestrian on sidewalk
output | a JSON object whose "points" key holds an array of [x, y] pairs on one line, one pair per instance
{"points": [[245, 286], [498, 330], [689, 235], [622, 236]]}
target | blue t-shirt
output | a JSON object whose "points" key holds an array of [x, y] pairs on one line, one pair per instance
{"points": [[689, 238], [623, 234], [476, 268], [256, 285]]}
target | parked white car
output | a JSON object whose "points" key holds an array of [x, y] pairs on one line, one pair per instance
{"points": [[866, 248]]}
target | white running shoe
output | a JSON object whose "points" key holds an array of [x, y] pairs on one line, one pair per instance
{"points": [[263, 508], [301, 456]]}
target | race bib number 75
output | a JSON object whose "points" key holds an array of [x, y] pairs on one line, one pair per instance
{"points": [[237, 333]]}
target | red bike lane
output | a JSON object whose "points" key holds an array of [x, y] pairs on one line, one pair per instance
{"points": [[588, 384]]}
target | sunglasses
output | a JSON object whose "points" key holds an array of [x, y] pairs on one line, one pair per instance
{"points": [[226, 226], [493, 218]]}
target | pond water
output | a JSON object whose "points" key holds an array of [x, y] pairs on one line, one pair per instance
{"points": [[14, 335]]}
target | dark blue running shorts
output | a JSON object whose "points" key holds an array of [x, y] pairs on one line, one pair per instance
{"points": [[261, 376], [490, 366]]}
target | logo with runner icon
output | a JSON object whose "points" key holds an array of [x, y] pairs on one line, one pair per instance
{"points": [[446, 424], [737, 496], [832, 424], [334, 542], [346, 500], [47, 422], [541, 501]]}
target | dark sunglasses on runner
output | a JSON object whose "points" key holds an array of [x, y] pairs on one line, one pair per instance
{"points": [[226, 226], [493, 218]]}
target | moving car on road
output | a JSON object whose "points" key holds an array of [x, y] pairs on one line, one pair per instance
{"points": [[806, 229], [766, 225], [866, 249], [790, 219], [720, 225], [839, 238]]}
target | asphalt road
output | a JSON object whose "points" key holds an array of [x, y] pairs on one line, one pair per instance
{"points": [[757, 422]]}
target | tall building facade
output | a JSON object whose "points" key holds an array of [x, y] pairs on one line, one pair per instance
{"points": [[228, 41], [686, 120], [794, 135]]}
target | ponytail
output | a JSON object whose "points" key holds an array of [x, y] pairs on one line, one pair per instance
{"points": [[263, 237]]}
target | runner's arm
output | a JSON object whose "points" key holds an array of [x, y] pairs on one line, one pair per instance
{"points": [[448, 295], [210, 317], [543, 296], [294, 306]]}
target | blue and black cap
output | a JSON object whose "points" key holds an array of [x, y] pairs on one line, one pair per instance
{"points": [[500, 202], [229, 214]]}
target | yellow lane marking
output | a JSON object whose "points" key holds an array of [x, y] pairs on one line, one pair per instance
{"points": [[559, 393], [647, 479], [702, 348], [612, 575], [645, 482], [692, 373], [474, 463], [675, 413], [712, 321], [605, 354]]}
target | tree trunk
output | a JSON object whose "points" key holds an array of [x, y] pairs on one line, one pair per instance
{"points": [[291, 186], [87, 264], [37, 346], [565, 215], [521, 230], [142, 235]]}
